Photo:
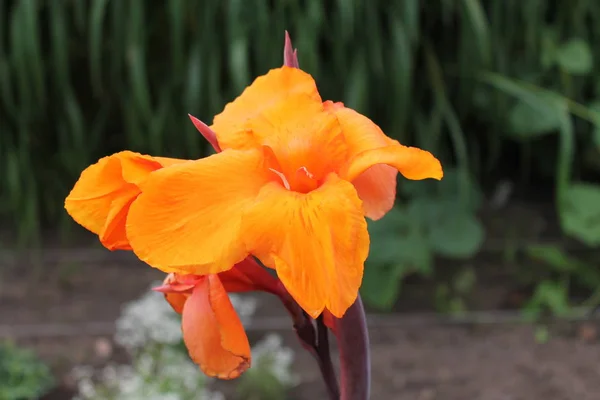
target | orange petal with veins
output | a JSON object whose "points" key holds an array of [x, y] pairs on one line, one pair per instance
{"points": [[187, 219], [376, 186], [265, 92], [213, 332], [103, 193], [413, 163], [317, 242]]}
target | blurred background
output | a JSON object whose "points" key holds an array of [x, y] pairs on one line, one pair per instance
{"points": [[473, 268]]}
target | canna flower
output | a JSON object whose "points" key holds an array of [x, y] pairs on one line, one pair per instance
{"points": [[212, 331], [292, 186]]}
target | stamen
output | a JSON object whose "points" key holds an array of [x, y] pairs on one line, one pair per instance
{"points": [[306, 172], [284, 180]]}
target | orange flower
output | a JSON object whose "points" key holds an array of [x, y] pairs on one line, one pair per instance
{"points": [[212, 330], [292, 186]]}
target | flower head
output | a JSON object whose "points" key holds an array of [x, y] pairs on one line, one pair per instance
{"points": [[212, 331], [292, 186], [292, 181]]}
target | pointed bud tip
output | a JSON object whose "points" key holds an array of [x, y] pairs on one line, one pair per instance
{"points": [[208, 133], [290, 55]]}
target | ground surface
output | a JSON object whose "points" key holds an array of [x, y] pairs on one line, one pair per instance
{"points": [[65, 309]]}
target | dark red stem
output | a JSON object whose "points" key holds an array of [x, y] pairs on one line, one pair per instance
{"points": [[318, 347], [325, 364], [355, 361]]}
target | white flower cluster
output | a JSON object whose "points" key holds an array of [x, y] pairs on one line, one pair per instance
{"points": [[164, 374], [244, 306], [161, 369], [270, 354], [148, 320]]}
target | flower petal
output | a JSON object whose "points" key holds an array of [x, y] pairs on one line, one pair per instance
{"points": [[176, 300], [246, 276], [265, 92], [101, 197], [213, 332], [376, 186], [113, 235], [187, 219], [317, 242], [413, 163]]}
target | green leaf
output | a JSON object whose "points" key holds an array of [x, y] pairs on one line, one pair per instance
{"points": [[586, 273], [549, 40], [457, 235], [533, 117], [580, 213], [594, 108], [455, 180], [398, 239], [553, 256], [575, 57], [548, 295], [464, 281], [381, 285], [452, 228], [398, 248]]}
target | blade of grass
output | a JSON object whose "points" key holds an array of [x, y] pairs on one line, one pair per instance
{"points": [[98, 12], [59, 45], [31, 37], [457, 135]]}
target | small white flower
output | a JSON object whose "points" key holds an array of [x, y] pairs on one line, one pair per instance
{"points": [[277, 359], [149, 319], [86, 388]]}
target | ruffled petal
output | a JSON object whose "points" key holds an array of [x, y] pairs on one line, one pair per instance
{"points": [[265, 92], [413, 163], [103, 193], [187, 219], [213, 333], [376, 186], [317, 242]]}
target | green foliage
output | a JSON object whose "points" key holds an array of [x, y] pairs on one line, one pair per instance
{"points": [[575, 57], [82, 79], [22, 375], [551, 295], [580, 216], [450, 297], [438, 219]]}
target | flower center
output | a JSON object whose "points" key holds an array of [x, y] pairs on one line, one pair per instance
{"points": [[302, 180]]}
